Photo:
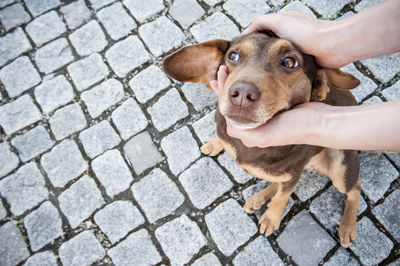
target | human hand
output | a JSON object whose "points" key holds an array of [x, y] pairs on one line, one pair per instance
{"points": [[222, 75]]}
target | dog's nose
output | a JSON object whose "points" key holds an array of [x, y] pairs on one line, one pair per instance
{"points": [[243, 94]]}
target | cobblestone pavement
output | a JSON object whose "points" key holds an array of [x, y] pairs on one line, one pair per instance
{"points": [[99, 150]]}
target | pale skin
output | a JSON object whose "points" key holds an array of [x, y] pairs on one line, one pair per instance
{"points": [[334, 44]]}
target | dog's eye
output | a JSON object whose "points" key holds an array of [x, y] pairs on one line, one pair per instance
{"points": [[290, 62], [234, 56]]}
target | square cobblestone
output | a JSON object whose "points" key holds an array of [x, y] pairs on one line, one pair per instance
{"points": [[75, 14], [24, 189], [45, 28], [161, 35], [117, 219], [206, 260], [88, 39], [366, 87], [12, 245], [179, 11], [88, 71], [157, 195], [142, 153], [112, 172], [67, 120], [32, 143], [204, 127], [147, 83], [45, 258], [180, 239], [39, 7], [310, 183], [19, 76], [3, 211], [204, 182], [13, 16], [99, 138], [393, 92], [8, 160], [43, 225], [83, 249], [212, 2], [244, 11], [305, 241], [63, 163], [116, 21], [342, 257], [142, 10], [236, 171], [137, 247], [12, 45], [389, 216], [327, 9], [298, 6], [18, 114], [129, 119], [53, 55], [53, 93], [100, 3], [103, 96], [126, 55], [229, 226], [199, 95], [80, 200], [3, 3], [217, 26], [366, 4], [177, 144], [163, 114], [383, 67]]}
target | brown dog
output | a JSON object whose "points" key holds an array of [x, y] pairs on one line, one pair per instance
{"points": [[269, 75]]}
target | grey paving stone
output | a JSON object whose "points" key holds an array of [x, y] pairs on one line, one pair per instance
{"points": [[39, 7], [137, 247], [24, 189], [12, 245], [103, 96], [277, 3], [112, 172], [180, 239], [161, 35], [304, 240], [181, 150], [388, 215], [3, 3], [117, 219], [80, 200], [204, 127], [298, 6], [87, 71], [157, 195], [163, 114], [366, 87], [83, 249], [53, 55], [329, 207], [383, 67], [204, 182], [376, 175], [8, 160], [32, 143], [258, 252], [99, 138], [395, 157], [126, 55], [43, 225], [237, 172], [129, 119], [244, 11], [206, 260], [217, 26], [53, 93], [229, 226], [327, 9], [12, 45], [199, 95], [75, 14], [18, 114], [116, 21], [19, 76], [142, 10], [100, 3], [392, 93], [45, 28], [45, 258], [13, 16], [372, 100], [67, 120], [3, 211], [179, 11], [371, 245], [366, 4], [147, 83], [63, 163], [310, 183], [395, 263], [88, 39], [342, 257], [212, 2]]}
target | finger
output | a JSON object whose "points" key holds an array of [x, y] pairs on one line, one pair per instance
{"points": [[214, 86], [222, 76]]}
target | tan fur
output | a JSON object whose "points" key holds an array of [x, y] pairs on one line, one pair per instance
{"points": [[262, 174], [256, 201]]}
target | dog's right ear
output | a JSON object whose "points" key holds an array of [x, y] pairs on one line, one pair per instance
{"points": [[196, 63]]}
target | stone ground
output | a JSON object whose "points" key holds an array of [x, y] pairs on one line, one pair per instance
{"points": [[100, 160]]}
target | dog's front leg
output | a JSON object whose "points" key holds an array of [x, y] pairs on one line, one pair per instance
{"points": [[213, 146]]}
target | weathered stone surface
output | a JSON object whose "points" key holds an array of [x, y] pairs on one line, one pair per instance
{"points": [[244, 11], [237, 172], [39, 7], [88, 39], [204, 127], [96, 4], [393, 92], [8, 160], [199, 95], [142, 10], [53, 55], [366, 87], [208, 259], [179, 11], [12, 245], [342, 257], [310, 183], [327, 9], [298, 6], [67, 120], [45, 258], [362, 5], [75, 14], [13, 16], [45, 28], [388, 215], [383, 67], [12, 45]]}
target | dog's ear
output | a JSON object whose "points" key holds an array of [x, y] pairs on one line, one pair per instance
{"points": [[196, 63], [326, 77]]}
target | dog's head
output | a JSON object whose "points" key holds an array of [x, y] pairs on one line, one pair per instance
{"points": [[267, 75]]}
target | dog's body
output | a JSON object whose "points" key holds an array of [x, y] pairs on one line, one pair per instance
{"points": [[267, 76]]}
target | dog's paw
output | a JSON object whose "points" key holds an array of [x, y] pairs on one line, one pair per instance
{"points": [[269, 223], [347, 233], [212, 147], [254, 203]]}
